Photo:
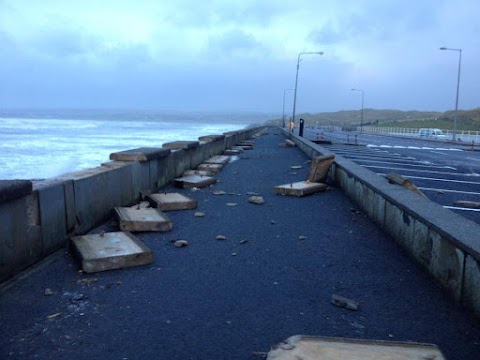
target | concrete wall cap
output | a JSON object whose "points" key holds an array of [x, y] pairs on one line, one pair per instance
{"points": [[140, 154], [177, 145], [14, 189]]}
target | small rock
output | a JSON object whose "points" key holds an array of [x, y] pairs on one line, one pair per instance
{"points": [[199, 214], [343, 302], [231, 204], [234, 254], [194, 189], [244, 241], [180, 243], [251, 193], [221, 237], [302, 237], [296, 167], [218, 192], [256, 200], [273, 222], [48, 292]]}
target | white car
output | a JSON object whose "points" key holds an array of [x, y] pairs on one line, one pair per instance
{"points": [[432, 133]]}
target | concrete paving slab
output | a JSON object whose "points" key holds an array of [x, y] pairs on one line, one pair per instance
{"points": [[109, 251], [213, 168], [188, 182], [300, 188], [218, 159], [172, 201], [142, 219]]}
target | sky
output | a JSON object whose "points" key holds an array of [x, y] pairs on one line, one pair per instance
{"points": [[218, 55]]}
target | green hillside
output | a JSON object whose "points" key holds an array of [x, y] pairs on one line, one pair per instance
{"points": [[467, 119]]}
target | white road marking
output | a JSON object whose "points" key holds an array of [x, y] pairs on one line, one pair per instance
{"points": [[405, 164], [474, 159], [450, 191], [461, 208], [416, 170], [411, 147], [436, 179]]}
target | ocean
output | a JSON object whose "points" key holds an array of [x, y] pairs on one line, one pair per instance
{"points": [[41, 144]]}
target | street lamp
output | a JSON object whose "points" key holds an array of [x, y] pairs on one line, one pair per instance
{"points": [[361, 118], [458, 89], [296, 81], [283, 113]]}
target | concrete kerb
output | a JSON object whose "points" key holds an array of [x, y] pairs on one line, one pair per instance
{"points": [[442, 241]]}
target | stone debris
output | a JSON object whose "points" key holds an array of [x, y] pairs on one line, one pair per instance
{"points": [[180, 243], [320, 167], [302, 237], [54, 315], [467, 204], [234, 254], [256, 200], [49, 292], [218, 192], [273, 222], [221, 237], [295, 167], [244, 241], [194, 189], [251, 193], [231, 204], [199, 214], [343, 302]]}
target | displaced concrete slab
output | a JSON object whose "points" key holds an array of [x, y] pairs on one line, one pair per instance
{"points": [[197, 172], [139, 154], [172, 201], [210, 138], [13, 189], [218, 159], [319, 168], [192, 181], [246, 143], [315, 348], [213, 168], [110, 251], [238, 148], [142, 219], [233, 152], [300, 188], [246, 147], [178, 145]]}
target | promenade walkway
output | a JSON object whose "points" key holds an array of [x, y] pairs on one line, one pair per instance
{"points": [[231, 299]]}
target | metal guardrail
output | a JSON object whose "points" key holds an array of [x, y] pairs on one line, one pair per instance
{"points": [[462, 135]]}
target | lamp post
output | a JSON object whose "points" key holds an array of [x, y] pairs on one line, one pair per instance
{"points": [[361, 118], [296, 80], [283, 113], [458, 89]]}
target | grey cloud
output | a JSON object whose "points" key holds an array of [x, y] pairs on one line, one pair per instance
{"points": [[234, 42]]}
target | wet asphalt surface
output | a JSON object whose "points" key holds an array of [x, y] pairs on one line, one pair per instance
{"points": [[204, 302]]}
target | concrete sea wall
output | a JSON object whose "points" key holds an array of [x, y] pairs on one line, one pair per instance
{"points": [[37, 220], [444, 243]]}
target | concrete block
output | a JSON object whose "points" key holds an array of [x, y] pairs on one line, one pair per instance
{"points": [[198, 154], [192, 181], [143, 219], [471, 284], [71, 216], [14, 189], [53, 217], [178, 145], [446, 264], [140, 154], [110, 251], [399, 225], [378, 209], [158, 173], [211, 138], [300, 188], [172, 201]]}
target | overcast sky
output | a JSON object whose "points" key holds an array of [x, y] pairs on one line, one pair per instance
{"points": [[239, 54]]}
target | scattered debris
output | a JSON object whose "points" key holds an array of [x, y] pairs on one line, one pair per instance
{"points": [[256, 200], [145, 219], [214, 168], [343, 302], [302, 237], [251, 193], [49, 292], [180, 243], [195, 189], [231, 204], [221, 237], [319, 168], [295, 167], [234, 254], [273, 222], [467, 204], [87, 281], [141, 205], [394, 178], [199, 214], [218, 192], [54, 315], [244, 241]]}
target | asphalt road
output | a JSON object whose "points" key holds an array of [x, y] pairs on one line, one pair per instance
{"points": [[227, 300], [445, 172]]}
